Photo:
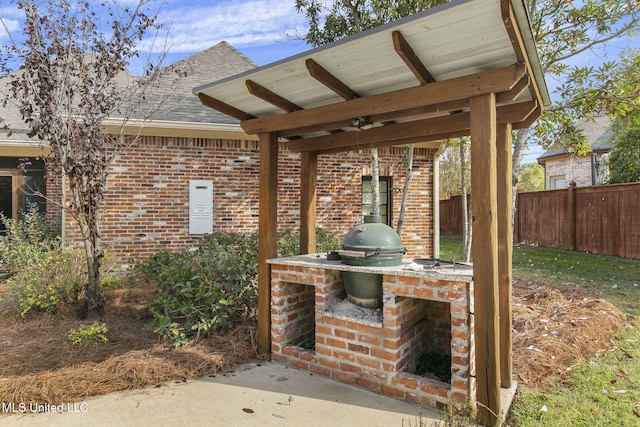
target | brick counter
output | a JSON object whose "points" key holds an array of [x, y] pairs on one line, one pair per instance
{"points": [[424, 313]]}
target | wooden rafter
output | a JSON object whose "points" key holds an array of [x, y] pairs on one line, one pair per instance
{"points": [[494, 81], [329, 80], [272, 98], [224, 108], [410, 58]]}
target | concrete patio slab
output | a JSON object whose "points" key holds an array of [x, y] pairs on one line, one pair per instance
{"points": [[257, 394]]}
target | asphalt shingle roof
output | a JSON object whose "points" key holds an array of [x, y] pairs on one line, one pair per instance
{"points": [[179, 104], [597, 131]]}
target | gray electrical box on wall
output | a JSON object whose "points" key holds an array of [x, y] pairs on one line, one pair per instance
{"points": [[200, 207]]}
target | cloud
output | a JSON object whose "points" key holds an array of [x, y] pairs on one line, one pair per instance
{"points": [[242, 23]]}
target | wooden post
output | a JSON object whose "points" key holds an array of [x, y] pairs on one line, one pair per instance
{"points": [[267, 229], [571, 216], [308, 191], [485, 256], [505, 249]]}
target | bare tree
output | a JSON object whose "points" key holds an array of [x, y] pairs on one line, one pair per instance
{"points": [[72, 78], [467, 228], [405, 190]]}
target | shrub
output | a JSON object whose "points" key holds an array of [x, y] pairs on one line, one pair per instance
{"points": [[25, 241], [289, 242], [203, 291], [56, 278], [96, 332], [212, 288]]}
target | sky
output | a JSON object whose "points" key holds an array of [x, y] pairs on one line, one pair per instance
{"points": [[263, 30]]}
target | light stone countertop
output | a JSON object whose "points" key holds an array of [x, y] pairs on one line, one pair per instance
{"points": [[446, 271]]}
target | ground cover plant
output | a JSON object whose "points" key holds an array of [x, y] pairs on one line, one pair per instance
{"points": [[584, 345]]}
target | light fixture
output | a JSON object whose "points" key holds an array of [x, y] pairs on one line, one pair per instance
{"points": [[361, 123]]}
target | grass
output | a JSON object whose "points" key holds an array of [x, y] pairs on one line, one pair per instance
{"points": [[599, 391], [615, 279]]}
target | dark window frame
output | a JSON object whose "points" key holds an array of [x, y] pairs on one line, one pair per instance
{"points": [[386, 209]]}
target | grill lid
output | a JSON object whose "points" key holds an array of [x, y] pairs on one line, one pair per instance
{"points": [[372, 243]]}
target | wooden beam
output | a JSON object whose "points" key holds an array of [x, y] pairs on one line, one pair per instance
{"points": [[505, 250], [485, 82], [325, 127], [432, 141], [308, 194], [512, 94], [267, 239], [485, 256], [516, 113], [410, 58], [329, 80], [530, 120], [422, 130], [426, 110], [224, 108], [384, 134], [510, 24], [272, 98]]}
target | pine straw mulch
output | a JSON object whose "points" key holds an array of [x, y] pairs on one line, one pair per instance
{"points": [[553, 326], [556, 326], [40, 364]]}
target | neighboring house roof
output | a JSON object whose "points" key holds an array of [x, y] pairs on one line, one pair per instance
{"points": [[597, 132]]}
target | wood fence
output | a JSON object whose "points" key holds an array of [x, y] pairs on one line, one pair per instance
{"points": [[600, 220]]}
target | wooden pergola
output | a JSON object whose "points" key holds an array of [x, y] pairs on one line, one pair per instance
{"points": [[468, 68]]}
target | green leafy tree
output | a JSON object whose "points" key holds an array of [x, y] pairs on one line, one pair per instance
{"points": [[73, 77], [342, 18], [531, 177], [624, 158]]}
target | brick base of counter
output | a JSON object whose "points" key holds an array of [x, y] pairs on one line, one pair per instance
{"points": [[383, 351]]}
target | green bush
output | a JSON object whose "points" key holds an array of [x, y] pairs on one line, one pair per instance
{"points": [[203, 291], [96, 332], [25, 240], [56, 278], [212, 288], [289, 242]]}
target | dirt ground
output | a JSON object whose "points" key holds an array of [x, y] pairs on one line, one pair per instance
{"points": [[552, 327]]}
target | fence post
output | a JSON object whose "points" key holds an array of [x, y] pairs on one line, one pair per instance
{"points": [[571, 216]]}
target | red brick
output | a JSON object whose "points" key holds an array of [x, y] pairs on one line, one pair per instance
{"points": [[392, 391], [347, 367], [345, 334], [371, 340], [368, 361], [408, 381], [320, 370], [363, 382], [358, 348], [345, 378]]}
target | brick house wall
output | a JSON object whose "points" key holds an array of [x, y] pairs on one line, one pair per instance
{"points": [[146, 206], [567, 169]]}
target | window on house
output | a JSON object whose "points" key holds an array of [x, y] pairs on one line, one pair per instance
{"points": [[18, 191], [557, 182], [385, 198]]}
